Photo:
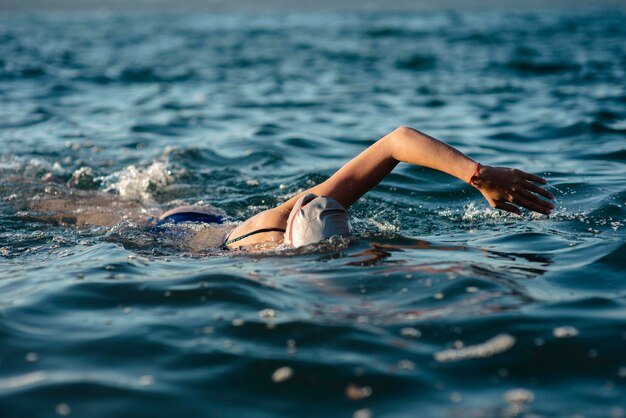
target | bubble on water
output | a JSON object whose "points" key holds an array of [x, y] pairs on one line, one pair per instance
{"points": [[83, 178], [291, 346], [410, 332], [456, 397], [237, 322], [355, 392], [268, 313], [471, 289], [281, 374], [439, 295], [519, 396], [406, 365], [491, 347], [565, 332], [32, 357], [63, 409], [362, 413]]}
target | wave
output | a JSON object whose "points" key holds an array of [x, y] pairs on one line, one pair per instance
{"points": [[417, 62]]}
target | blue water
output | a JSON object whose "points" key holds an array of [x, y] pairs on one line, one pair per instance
{"points": [[441, 307]]}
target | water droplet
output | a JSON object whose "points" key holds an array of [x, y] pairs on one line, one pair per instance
{"points": [[63, 409], [410, 332], [519, 396], [456, 397], [362, 413], [268, 313], [355, 393], [281, 374], [406, 365], [564, 332]]}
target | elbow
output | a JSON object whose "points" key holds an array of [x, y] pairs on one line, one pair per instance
{"points": [[395, 140], [403, 130]]}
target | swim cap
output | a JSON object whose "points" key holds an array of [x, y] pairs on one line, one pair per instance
{"points": [[315, 218]]}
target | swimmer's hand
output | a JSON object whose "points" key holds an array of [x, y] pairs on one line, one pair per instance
{"points": [[504, 188]]}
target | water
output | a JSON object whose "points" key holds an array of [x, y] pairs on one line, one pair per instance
{"points": [[441, 307]]}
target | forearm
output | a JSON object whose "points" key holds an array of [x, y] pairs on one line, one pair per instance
{"points": [[502, 187], [411, 146]]}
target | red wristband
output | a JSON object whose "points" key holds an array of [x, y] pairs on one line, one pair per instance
{"points": [[475, 175]]}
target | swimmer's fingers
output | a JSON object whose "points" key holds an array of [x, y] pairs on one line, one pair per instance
{"points": [[534, 203], [539, 190], [498, 204], [532, 177], [543, 204]]}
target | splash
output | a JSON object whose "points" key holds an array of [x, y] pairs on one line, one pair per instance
{"points": [[139, 184]]}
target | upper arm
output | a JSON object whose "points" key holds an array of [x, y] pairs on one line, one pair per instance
{"points": [[347, 185], [356, 177]]}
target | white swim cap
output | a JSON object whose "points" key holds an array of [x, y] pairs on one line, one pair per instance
{"points": [[315, 218]]}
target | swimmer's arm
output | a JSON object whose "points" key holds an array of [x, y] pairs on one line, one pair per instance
{"points": [[502, 187]]}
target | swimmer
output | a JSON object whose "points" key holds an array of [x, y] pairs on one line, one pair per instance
{"points": [[321, 211]]}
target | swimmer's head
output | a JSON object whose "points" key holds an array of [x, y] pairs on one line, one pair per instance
{"points": [[316, 218]]}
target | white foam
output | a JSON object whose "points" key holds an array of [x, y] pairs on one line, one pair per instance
{"points": [[139, 183], [489, 348]]}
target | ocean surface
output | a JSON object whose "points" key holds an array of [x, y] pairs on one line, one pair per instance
{"points": [[441, 306]]}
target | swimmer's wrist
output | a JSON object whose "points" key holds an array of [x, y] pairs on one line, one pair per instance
{"points": [[475, 177]]}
